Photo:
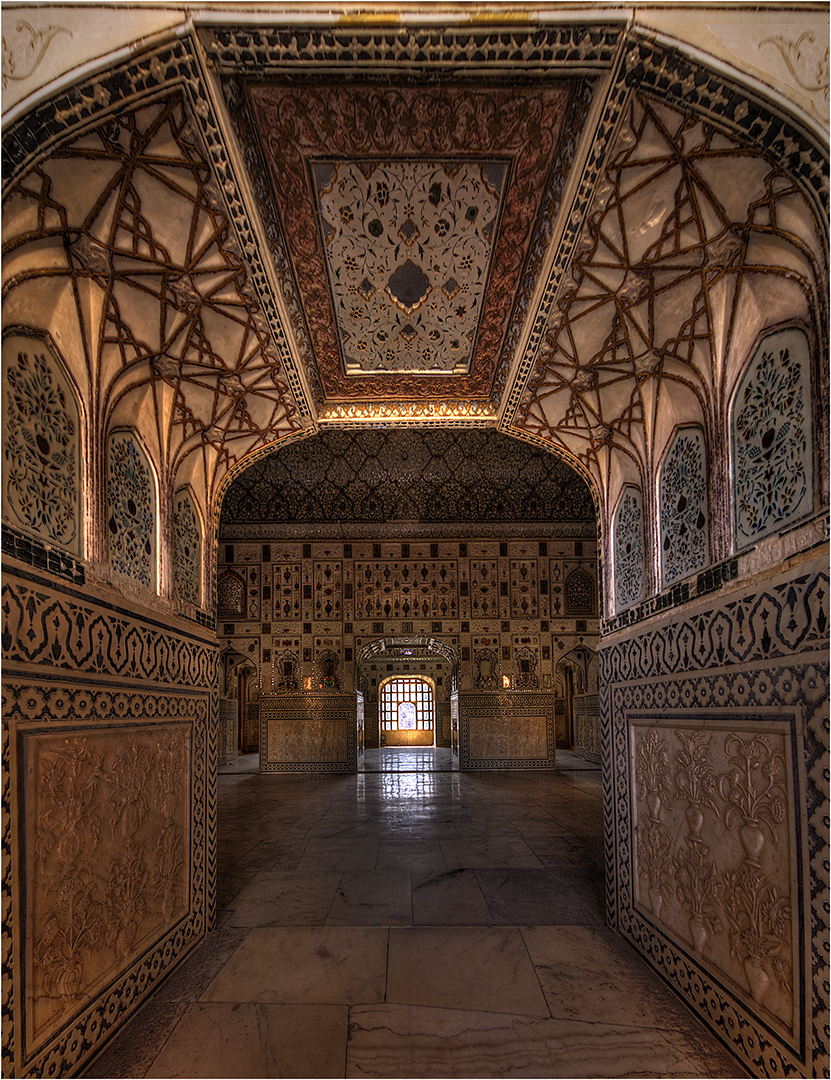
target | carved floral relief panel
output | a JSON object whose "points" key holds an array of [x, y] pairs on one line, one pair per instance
{"points": [[41, 443], [716, 849], [684, 524], [106, 858], [772, 436], [131, 510]]}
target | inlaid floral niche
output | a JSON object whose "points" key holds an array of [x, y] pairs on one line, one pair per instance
{"points": [[628, 548], [41, 443], [131, 509], [772, 438]]}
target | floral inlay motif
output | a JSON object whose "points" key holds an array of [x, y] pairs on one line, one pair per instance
{"points": [[629, 549], [772, 438], [579, 594], [187, 549], [40, 443], [685, 546], [408, 249], [230, 596], [131, 518]]}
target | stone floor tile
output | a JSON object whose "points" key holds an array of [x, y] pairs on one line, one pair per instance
{"points": [[417, 855], [255, 1040], [328, 855], [466, 967], [373, 898], [449, 898], [278, 898], [321, 965], [488, 851], [525, 897]]}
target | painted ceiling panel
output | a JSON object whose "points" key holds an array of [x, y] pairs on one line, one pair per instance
{"points": [[414, 135]]}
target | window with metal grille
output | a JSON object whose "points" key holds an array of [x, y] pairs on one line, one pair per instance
{"points": [[406, 705]]}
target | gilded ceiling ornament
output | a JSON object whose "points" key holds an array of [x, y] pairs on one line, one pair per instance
{"points": [[722, 252], [186, 293]]}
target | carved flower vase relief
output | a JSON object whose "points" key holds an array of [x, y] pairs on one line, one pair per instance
{"points": [[728, 899]]}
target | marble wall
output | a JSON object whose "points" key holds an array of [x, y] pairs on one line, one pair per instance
{"points": [[109, 812], [506, 731], [309, 732], [715, 722]]}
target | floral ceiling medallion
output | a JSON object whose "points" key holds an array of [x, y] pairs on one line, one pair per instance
{"points": [[408, 251]]}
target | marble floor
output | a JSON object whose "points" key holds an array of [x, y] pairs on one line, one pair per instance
{"points": [[413, 923]]}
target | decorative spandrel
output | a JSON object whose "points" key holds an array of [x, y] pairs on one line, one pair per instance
{"points": [[41, 444], [629, 549], [131, 510], [187, 549], [685, 544], [773, 438]]}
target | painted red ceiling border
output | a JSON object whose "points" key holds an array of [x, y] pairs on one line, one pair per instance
{"points": [[297, 123]]}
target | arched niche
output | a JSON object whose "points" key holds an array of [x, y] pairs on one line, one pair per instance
{"points": [[131, 509], [42, 446], [683, 525], [771, 438]]}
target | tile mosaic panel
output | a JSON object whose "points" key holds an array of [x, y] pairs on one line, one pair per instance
{"points": [[187, 549], [772, 436], [41, 443], [328, 590], [524, 589], [716, 734], [287, 591], [131, 510], [629, 559], [684, 518]]}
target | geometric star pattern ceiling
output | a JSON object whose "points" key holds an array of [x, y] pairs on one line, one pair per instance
{"points": [[413, 477], [689, 237], [621, 223]]}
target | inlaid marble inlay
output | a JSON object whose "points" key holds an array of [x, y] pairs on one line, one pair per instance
{"points": [[773, 438], [41, 443]]}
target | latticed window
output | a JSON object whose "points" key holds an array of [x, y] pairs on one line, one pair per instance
{"points": [[406, 705]]}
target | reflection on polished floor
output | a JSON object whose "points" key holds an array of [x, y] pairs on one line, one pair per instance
{"points": [[405, 923]]}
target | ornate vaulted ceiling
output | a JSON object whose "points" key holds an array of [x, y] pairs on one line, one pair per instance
{"points": [[244, 235]]}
